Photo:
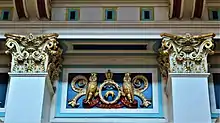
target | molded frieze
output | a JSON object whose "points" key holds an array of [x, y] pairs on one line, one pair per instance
{"points": [[34, 54], [185, 54]]}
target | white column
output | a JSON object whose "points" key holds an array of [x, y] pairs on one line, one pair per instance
{"points": [[190, 98], [183, 59], [35, 64], [26, 97]]}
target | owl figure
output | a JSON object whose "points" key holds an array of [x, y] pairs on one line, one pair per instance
{"points": [[128, 88], [91, 88]]}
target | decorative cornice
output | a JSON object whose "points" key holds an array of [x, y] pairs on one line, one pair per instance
{"points": [[100, 30], [31, 54], [101, 24]]}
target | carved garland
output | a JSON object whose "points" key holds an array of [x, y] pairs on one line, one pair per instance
{"points": [[34, 54], [185, 54]]}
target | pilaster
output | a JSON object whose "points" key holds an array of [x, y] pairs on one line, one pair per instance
{"points": [[35, 65], [183, 61]]}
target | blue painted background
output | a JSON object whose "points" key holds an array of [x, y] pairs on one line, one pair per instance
{"points": [[117, 77]]}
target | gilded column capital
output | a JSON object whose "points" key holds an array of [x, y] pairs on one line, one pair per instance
{"points": [[185, 54], [32, 54]]}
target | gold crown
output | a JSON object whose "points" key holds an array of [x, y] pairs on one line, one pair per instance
{"points": [[109, 75]]}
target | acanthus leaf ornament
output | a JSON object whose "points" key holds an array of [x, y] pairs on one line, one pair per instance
{"points": [[185, 54], [35, 54]]}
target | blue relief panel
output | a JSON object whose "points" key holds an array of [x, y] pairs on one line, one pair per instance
{"points": [[3, 88], [109, 90], [216, 79]]}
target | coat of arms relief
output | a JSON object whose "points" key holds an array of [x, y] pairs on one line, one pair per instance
{"points": [[103, 91]]}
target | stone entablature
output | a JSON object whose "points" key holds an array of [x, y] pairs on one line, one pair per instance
{"points": [[185, 54], [31, 54], [116, 30]]}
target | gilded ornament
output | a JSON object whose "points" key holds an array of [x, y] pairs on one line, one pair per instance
{"points": [[80, 79], [137, 83], [124, 94], [138, 90], [185, 54], [163, 61], [35, 54], [81, 90], [128, 88], [109, 75], [109, 93], [92, 87], [109, 83]]}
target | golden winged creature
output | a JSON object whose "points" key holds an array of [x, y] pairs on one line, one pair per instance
{"points": [[128, 89], [92, 87]]}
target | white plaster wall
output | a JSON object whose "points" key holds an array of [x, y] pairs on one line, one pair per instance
{"points": [[205, 14], [161, 13], [58, 14], [128, 14], [123, 13], [91, 14]]}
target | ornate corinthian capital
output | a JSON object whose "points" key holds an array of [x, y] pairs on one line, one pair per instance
{"points": [[34, 54], [185, 54]]}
